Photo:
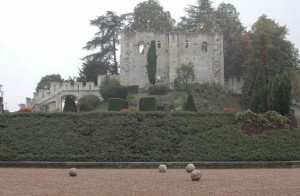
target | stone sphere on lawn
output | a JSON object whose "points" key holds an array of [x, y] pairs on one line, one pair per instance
{"points": [[73, 172], [195, 175], [162, 168], [190, 167]]}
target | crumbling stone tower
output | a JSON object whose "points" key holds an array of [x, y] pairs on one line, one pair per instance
{"points": [[204, 51]]}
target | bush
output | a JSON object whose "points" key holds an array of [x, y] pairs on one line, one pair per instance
{"points": [[254, 123], [189, 104], [70, 105], [88, 102], [147, 104], [111, 88], [125, 104], [157, 90], [133, 89], [115, 104]]}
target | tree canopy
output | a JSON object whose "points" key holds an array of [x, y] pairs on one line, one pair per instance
{"points": [[106, 40], [45, 81], [150, 16], [270, 54], [91, 69]]}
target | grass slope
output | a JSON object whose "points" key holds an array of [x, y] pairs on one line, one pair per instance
{"points": [[139, 137]]}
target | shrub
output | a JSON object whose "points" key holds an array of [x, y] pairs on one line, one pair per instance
{"points": [[254, 123], [276, 120], [157, 90], [133, 89], [147, 104], [190, 104], [88, 102], [281, 94], [111, 88], [115, 104], [125, 104], [70, 105], [25, 110]]}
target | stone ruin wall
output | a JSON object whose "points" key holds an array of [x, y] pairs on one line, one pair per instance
{"points": [[204, 51]]}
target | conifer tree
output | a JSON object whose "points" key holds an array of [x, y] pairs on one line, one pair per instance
{"points": [[190, 104], [152, 63], [70, 105]]}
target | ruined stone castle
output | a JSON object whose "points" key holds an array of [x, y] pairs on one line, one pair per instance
{"points": [[203, 51]]}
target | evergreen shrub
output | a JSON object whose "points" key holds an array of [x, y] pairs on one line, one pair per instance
{"points": [[88, 102], [147, 104], [133, 89], [115, 104], [157, 90], [190, 104]]}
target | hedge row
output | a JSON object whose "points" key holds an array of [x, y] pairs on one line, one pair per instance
{"points": [[149, 136]]}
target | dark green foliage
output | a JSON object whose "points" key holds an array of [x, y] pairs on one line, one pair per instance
{"points": [[149, 136], [259, 98], [115, 104], [281, 94], [157, 90], [147, 104], [45, 81], [133, 89], [125, 104], [185, 74], [70, 105], [91, 69], [111, 88], [88, 102], [190, 104], [106, 40], [150, 16], [152, 63]]}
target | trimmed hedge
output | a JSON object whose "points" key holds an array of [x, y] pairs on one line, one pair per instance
{"points": [[133, 89], [148, 136], [157, 90], [147, 104], [115, 104]]}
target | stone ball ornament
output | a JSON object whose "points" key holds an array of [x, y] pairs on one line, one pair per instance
{"points": [[73, 172], [162, 168], [190, 167], [196, 175]]}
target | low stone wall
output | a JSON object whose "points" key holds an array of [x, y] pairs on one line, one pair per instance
{"points": [[151, 165]]}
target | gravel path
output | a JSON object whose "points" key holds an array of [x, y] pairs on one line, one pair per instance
{"points": [[28, 181]]}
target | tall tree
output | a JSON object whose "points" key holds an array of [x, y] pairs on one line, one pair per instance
{"points": [[200, 17], [152, 63], [228, 23], [106, 39], [91, 69], [270, 54], [45, 81], [150, 16], [281, 94]]}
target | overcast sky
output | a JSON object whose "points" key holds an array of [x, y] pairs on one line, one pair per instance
{"points": [[41, 37]]}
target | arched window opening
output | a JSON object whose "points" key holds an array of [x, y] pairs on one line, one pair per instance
{"points": [[158, 44], [204, 46], [141, 48]]}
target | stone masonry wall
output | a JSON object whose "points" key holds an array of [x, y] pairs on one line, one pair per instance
{"points": [[204, 51]]}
